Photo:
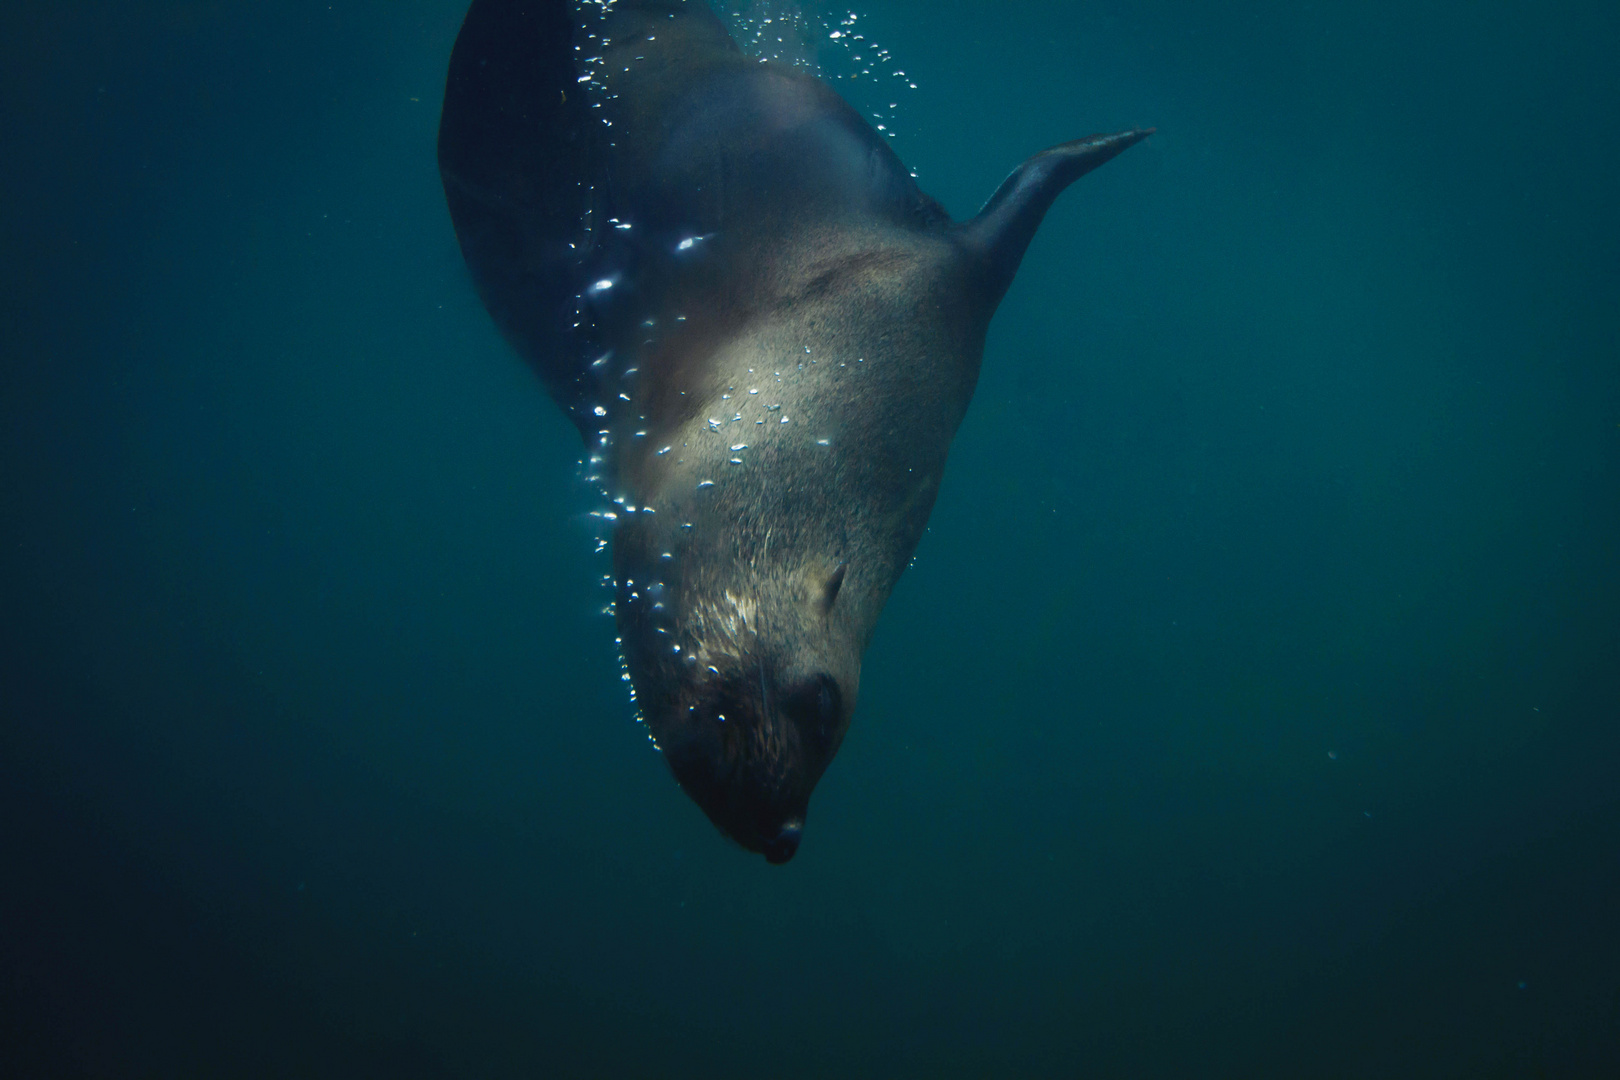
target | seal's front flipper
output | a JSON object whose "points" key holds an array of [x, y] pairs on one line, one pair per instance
{"points": [[516, 146], [1001, 232]]}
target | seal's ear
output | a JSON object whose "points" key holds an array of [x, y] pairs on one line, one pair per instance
{"points": [[1001, 232], [829, 593]]}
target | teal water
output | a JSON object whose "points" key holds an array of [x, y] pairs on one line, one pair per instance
{"points": [[1252, 708]]}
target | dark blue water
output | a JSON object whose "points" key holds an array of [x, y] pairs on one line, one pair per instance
{"points": [[1252, 709]]}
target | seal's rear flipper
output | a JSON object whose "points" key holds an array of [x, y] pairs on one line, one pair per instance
{"points": [[1001, 232]]}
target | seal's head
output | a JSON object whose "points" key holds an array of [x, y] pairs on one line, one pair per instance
{"points": [[746, 679], [750, 746]]}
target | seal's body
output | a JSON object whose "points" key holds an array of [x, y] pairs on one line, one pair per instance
{"points": [[767, 336]]}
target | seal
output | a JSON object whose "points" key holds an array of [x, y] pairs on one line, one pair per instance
{"points": [[766, 335]]}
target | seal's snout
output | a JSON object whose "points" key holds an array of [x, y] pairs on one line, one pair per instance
{"points": [[781, 849]]}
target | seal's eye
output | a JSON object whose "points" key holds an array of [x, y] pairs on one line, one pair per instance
{"points": [[828, 707], [817, 709]]}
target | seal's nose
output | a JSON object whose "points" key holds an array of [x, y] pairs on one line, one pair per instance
{"points": [[781, 849]]}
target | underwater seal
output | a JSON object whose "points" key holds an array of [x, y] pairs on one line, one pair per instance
{"points": [[765, 333]]}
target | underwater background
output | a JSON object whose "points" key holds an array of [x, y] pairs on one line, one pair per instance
{"points": [[1252, 707]]}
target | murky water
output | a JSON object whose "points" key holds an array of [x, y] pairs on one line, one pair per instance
{"points": [[1250, 708]]}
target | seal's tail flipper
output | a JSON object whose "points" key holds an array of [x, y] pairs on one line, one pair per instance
{"points": [[1002, 231]]}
